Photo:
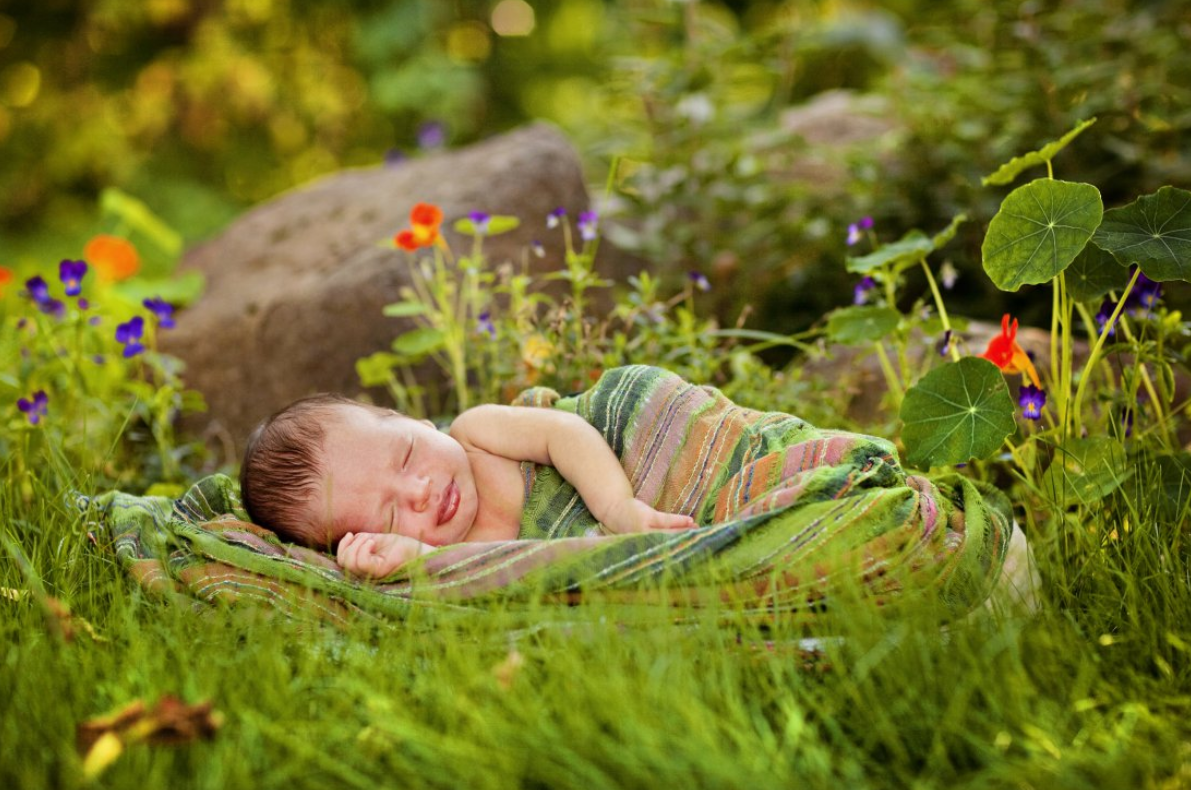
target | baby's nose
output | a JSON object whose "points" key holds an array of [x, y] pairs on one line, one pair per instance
{"points": [[419, 494]]}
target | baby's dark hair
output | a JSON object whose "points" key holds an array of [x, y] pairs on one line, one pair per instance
{"points": [[283, 466]]}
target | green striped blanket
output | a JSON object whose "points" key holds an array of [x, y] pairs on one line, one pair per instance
{"points": [[789, 515]]}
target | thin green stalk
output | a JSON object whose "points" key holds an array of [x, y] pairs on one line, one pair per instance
{"points": [[1148, 383], [1095, 355], [891, 377], [1067, 416], [938, 297]]}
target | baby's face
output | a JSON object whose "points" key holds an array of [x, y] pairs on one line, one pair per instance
{"points": [[394, 474]]}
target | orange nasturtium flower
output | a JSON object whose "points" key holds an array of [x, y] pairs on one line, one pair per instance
{"points": [[424, 220], [1004, 352], [5, 278], [114, 258]]}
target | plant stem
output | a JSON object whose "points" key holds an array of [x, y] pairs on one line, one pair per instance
{"points": [[1095, 355], [891, 377], [938, 297]]}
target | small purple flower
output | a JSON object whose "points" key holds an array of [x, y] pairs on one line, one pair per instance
{"points": [[1103, 316], [479, 221], [394, 157], [484, 324], [856, 229], [860, 292], [39, 292], [130, 335], [1146, 293], [94, 320], [98, 359], [1031, 399], [555, 217], [35, 408], [699, 280], [84, 304], [537, 248], [432, 134], [162, 310], [71, 273], [587, 225], [944, 344], [37, 289]]}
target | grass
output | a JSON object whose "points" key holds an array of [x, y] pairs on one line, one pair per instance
{"points": [[1092, 692]]}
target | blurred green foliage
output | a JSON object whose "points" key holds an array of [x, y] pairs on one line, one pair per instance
{"points": [[202, 109]]}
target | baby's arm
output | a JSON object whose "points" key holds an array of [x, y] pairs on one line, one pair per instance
{"points": [[376, 555], [576, 449]]}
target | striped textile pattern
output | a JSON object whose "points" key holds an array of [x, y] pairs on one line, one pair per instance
{"points": [[789, 515]]}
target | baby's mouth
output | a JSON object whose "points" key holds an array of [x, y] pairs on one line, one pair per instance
{"points": [[449, 503]]}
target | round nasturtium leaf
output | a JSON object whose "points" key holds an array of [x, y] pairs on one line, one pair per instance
{"points": [[1094, 273], [1154, 232], [861, 324], [1039, 230], [959, 411]]}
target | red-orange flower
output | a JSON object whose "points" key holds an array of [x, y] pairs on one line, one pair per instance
{"points": [[114, 258], [1004, 352], [424, 220], [5, 278]]}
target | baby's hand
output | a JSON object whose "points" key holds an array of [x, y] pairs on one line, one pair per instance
{"points": [[376, 555], [633, 515]]}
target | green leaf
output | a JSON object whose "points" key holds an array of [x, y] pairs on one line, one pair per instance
{"points": [[1007, 172], [1154, 232], [904, 252], [179, 291], [948, 233], [497, 224], [861, 324], [405, 309], [1039, 230], [1086, 470], [1094, 273], [138, 217], [419, 342], [374, 370], [958, 411]]}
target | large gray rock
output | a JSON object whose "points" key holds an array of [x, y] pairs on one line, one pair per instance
{"points": [[295, 287]]}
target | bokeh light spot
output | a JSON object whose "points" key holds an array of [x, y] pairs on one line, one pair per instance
{"points": [[468, 41], [20, 84], [513, 18]]}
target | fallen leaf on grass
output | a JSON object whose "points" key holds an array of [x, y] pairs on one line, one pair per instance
{"points": [[102, 739], [13, 595], [64, 624]]}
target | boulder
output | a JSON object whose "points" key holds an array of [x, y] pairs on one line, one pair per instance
{"points": [[296, 286]]}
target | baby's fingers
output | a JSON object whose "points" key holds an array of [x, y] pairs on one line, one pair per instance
{"points": [[666, 521]]}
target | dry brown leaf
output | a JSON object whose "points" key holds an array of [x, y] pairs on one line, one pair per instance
{"points": [[506, 671], [170, 721]]}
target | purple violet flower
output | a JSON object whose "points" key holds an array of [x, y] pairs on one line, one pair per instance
{"points": [[1146, 293], [71, 273], [860, 292], [944, 344], [479, 222], [39, 292], [484, 324], [699, 280], [35, 408], [587, 225], [129, 334], [555, 217], [1031, 399], [855, 230], [432, 134], [162, 310], [1104, 314]]}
